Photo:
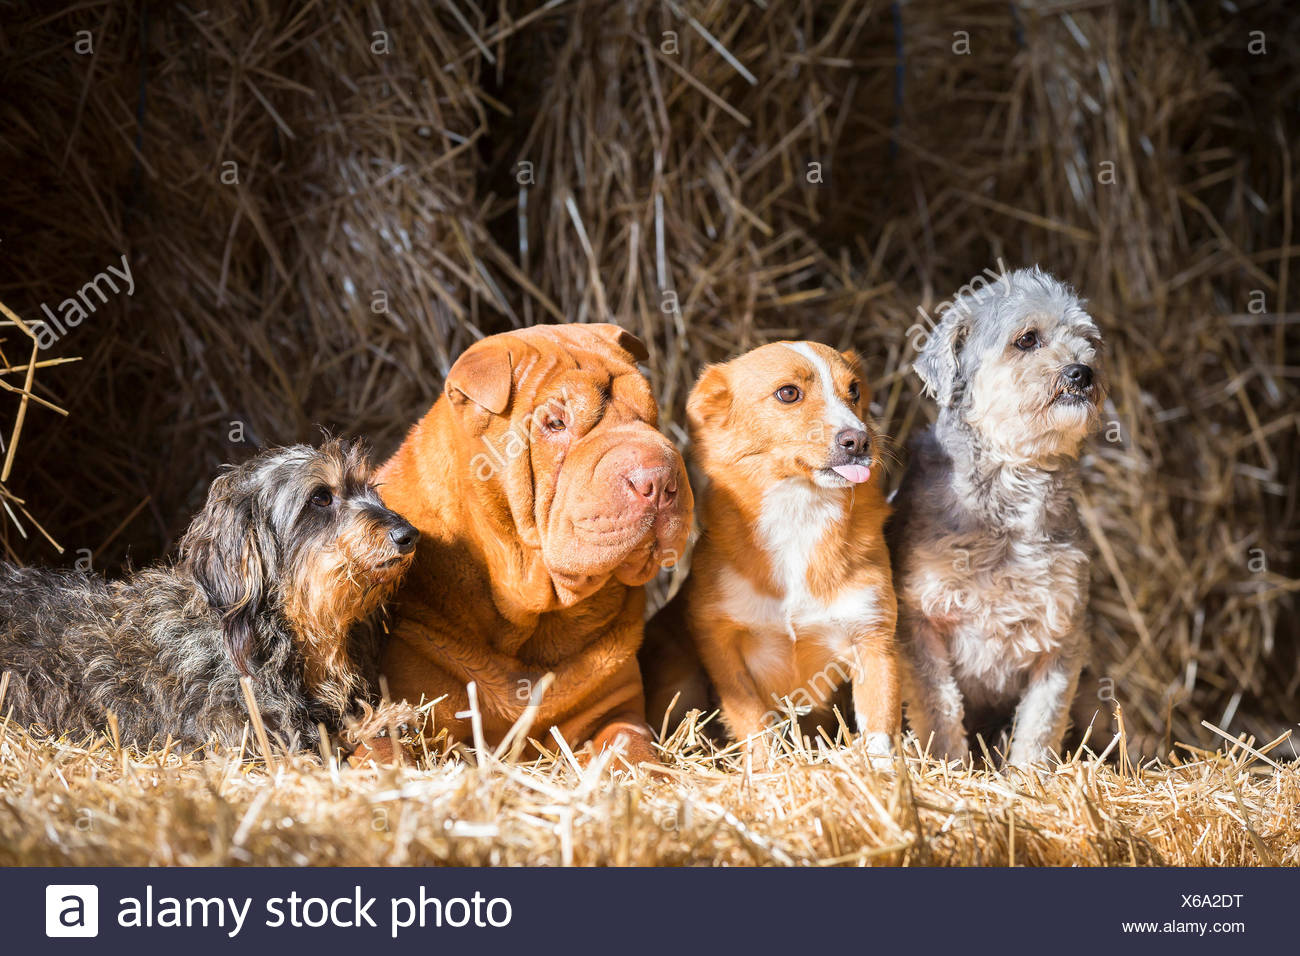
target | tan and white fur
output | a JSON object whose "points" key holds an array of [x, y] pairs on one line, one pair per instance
{"points": [[790, 593], [988, 554]]}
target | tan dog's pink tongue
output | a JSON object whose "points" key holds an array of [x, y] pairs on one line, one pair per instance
{"points": [[854, 473]]}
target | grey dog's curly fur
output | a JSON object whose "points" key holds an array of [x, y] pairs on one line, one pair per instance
{"points": [[292, 549], [986, 542]]}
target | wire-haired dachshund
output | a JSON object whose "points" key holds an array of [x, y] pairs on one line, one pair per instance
{"points": [[292, 549]]}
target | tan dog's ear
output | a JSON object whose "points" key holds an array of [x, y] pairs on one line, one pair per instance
{"points": [[620, 338], [482, 375], [710, 399]]}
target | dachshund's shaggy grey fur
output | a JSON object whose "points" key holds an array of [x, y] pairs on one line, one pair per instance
{"points": [[989, 564], [292, 549]]}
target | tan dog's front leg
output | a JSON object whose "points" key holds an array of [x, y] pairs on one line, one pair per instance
{"points": [[875, 694], [744, 709]]}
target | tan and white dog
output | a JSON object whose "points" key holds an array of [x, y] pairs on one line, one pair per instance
{"points": [[790, 594]]}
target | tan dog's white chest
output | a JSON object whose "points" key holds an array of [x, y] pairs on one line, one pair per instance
{"points": [[795, 637]]}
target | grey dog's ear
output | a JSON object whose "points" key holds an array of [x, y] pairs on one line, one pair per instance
{"points": [[939, 363]]}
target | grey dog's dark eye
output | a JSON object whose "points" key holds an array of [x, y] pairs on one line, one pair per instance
{"points": [[1027, 341], [321, 498], [788, 394]]}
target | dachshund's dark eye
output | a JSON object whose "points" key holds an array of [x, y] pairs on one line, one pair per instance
{"points": [[554, 424], [854, 392], [322, 498], [788, 394], [1028, 341]]}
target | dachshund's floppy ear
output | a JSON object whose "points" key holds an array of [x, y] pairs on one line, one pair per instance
{"points": [[939, 363], [482, 375], [222, 551]]}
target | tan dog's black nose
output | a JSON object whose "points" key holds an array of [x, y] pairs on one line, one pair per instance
{"points": [[855, 441], [656, 485]]}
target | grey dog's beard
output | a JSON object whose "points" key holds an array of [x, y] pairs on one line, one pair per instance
{"points": [[1041, 439]]}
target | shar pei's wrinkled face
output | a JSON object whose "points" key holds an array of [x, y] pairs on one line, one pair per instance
{"points": [[569, 453]]}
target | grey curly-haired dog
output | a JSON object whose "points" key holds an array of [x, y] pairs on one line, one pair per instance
{"points": [[986, 543], [292, 549]]}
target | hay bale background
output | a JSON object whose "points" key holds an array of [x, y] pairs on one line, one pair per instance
{"points": [[379, 224]]}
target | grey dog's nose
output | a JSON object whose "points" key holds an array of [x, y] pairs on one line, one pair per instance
{"points": [[1079, 376], [404, 537], [853, 440]]}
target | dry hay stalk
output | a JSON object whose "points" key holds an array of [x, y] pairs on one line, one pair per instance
{"points": [[27, 396], [70, 803]]}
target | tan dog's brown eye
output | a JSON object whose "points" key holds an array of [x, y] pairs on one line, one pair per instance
{"points": [[555, 424], [788, 394], [321, 498], [1027, 341], [854, 393]]}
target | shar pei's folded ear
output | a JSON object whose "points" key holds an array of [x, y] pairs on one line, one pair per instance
{"points": [[482, 375], [609, 334]]}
